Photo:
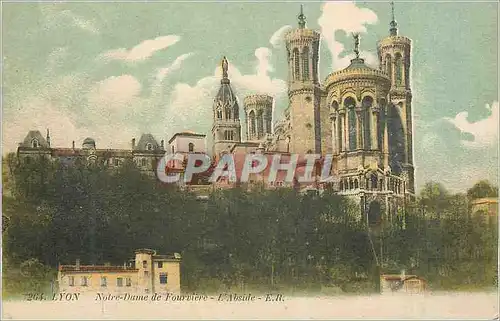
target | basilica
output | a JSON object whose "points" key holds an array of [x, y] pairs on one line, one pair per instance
{"points": [[360, 115]]}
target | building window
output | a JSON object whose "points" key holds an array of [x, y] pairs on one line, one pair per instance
{"points": [[191, 147], [173, 149], [374, 181], [149, 146], [305, 63], [228, 135], [146, 273], [352, 129], [104, 281], [388, 65], [219, 114], [116, 161], [119, 282], [144, 264], [71, 280], [160, 265], [260, 124], [399, 69], [228, 113], [367, 117], [128, 281], [35, 143], [163, 278], [251, 116], [143, 162], [84, 281], [296, 60]]}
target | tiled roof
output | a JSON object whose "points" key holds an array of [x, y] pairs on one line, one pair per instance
{"points": [[34, 134], [96, 268]]}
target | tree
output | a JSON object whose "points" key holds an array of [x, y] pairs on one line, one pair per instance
{"points": [[482, 189]]}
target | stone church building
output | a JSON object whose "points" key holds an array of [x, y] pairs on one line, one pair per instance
{"points": [[360, 115]]}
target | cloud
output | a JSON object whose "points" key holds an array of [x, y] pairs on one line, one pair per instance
{"points": [[277, 37], [485, 131], [176, 65], [51, 108], [346, 17], [142, 51], [191, 106], [115, 92], [56, 18]]}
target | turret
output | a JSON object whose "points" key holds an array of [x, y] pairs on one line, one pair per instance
{"points": [[226, 128]]}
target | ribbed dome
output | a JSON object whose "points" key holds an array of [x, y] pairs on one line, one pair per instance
{"points": [[89, 140]]}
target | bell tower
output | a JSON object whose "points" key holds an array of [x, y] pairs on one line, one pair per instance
{"points": [[226, 129], [394, 54], [304, 92]]}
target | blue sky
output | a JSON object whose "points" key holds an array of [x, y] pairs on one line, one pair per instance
{"points": [[112, 71]]}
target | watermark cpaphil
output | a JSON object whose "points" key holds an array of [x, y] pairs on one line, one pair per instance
{"points": [[287, 168]]}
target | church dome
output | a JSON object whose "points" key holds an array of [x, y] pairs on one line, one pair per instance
{"points": [[88, 143], [358, 71]]}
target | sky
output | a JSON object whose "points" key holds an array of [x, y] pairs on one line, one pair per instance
{"points": [[112, 71]]}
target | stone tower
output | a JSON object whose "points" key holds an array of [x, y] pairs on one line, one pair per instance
{"points": [[394, 54], [259, 111], [226, 129], [303, 88]]}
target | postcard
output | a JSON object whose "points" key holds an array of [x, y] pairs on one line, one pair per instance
{"points": [[249, 160]]}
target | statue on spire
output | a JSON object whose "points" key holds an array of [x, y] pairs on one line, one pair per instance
{"points": [[356, 44], [302, 18], [224, 67]]}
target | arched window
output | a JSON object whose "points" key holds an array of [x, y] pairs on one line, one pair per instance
{"points": [[219, 113], [251, 116], [149, 146], [335, 106], [143, 162], [191, 147], [305, 63], [268, 124], [228, 113], [356, 184], [388, 65], [35, 143], [173, 149], [399, 69], [296, 64], [374, 181], [380, 184], [367, 117], [341, 185], [350, 184], [381, 124], [260, 124], [349, 103]]}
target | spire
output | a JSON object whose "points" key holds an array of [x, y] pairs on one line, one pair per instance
{"points": [[224, 64], [302, 18], [394, 25]]}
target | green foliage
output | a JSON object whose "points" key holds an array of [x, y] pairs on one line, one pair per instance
{"points": [[238, 239], [482, 189]]}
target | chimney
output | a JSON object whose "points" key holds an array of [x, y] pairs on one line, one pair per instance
{"points": [[133, 143], [77, 265], [162, 144], [73, 144], [48, 137]]}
